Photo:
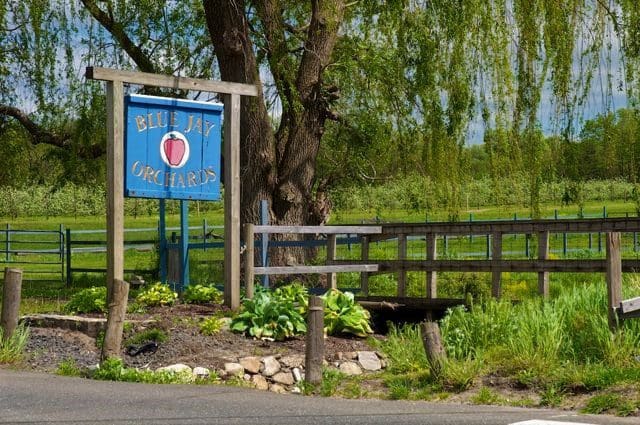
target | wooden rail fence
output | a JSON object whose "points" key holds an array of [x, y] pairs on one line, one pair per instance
{"points": [[613, 265]]}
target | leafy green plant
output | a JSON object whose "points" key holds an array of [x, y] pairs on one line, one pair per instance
{"points": [[343, 315], [68, 367], [153, 334], [602, 403], [90, 300], [12, 348], [157, 294], [113, 369], [268, 316], [211, 325], [295, 293], [201, 294], [487, 396], [331, 379]]}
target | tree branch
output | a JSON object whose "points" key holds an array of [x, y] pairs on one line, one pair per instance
{"points": [[116, 29], [37, 132]]}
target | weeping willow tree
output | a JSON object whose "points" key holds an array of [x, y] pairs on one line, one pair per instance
{"points": [[418, 76], [399, 84]]}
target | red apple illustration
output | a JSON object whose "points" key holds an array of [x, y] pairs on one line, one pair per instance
{"points": [[174, 148]]}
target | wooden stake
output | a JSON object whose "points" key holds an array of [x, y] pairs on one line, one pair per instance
{"points": [[115, 322], [364, 276], [402, 255], [614, 277], [314, 353], [232, 201], [432, 277], [332, 278], [496, 255], [11, 301], [433, 347], [543, 254]]}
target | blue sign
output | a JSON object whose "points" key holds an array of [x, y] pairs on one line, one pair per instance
{"points": [[172, 148]]}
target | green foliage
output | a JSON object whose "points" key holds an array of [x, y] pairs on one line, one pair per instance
{"points": [[211, 326], [90, 300], [331, 379], [343, 315], [12, 349], [113, 369], [152, 334], [157, 294], [602, 403], [269, 315], [487, 396], [404, 349], [68, 367], [202, 294]]}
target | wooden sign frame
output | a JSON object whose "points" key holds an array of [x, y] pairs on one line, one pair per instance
{"points": [[115, 80]]}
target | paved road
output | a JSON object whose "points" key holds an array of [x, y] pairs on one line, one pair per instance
{"points": [[46, 399]]}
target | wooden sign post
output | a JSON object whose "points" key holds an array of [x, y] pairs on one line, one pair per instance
{"points": [[117, 296]]}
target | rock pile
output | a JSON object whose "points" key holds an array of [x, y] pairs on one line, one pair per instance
{"points": [[282, 374]]}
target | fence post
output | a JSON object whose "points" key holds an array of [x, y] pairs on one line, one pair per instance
{"points": [[204, 234], [543, 254], [432, 276], [61, 249], [264, 240], [249, 259], [488, 250], [69, 269], [564, 244], [364, 256], [162, 235], [8, 242], [332, 278], [402, 274], [115, 325], [471, 221], [314, 353], [11, 301], [496, 256], [433, 347], [614, 277]]}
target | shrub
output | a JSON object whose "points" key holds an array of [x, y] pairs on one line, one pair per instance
{"points": [[153, 334], [157, 294], [68, 367], [201, 294], [90, 300], [211, 326]]}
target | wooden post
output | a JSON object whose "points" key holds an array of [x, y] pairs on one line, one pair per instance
{"points": [[249, 259], [496, 256], [332, 278], [614, 277], [115, 323], [364, 256], [543, 254], [232, 201], [117, 293], [432, 277], [402, 275], [314, 353], [11, 301], [433, 347]]}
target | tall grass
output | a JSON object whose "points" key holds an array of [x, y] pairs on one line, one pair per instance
{"points": [[12, 348]]}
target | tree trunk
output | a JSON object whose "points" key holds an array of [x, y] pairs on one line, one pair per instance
{"points": [[279, 166]]}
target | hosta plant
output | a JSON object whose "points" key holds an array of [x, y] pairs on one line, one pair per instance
{"points": [[157, 294], [268, 315], [90, 300], [343, 315], [202, 294]]}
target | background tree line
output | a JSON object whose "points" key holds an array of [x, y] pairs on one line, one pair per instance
{"points": [[353, 92]]}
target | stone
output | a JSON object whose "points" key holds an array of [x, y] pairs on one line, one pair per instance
{"points": [[201, 372], [251, 364], [225, 323], [271, 366], [175, 368], [277, 388], [247, 377], [284, 378], [369, 360], [297, 374], [350, 355], [234, 369], [292, 360], [296, 390], [350, 368], [260, 382]]}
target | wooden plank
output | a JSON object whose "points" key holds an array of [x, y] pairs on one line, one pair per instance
{"points": [[417, 303], [332, 278], [314, 347], [363, 230], [532, 266], [364, 255], [543, 254], [402, 274], [614, 277], [627, 306], [249, 254], [11, 295], [178, 83], [432, 276], [232, 201], [496, 256], [316, 269]]}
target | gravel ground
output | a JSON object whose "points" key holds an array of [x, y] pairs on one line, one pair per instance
{"points": [[47, 347]]}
